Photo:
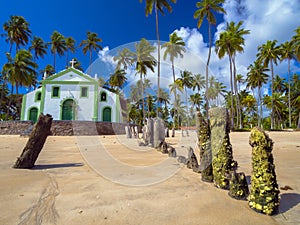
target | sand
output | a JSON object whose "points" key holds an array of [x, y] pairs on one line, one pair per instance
{"points": [[109, 180]]}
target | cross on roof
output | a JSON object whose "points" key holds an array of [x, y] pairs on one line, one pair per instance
{"points": [[73, 61]]}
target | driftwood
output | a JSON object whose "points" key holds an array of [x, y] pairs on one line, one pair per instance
{"points": [[35, 143]]}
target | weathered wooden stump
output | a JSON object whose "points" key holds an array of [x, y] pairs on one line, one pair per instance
{"points": [[192, 162], [35, 143], [203, 132], [222, 159], [264, 196], [238, 186]]}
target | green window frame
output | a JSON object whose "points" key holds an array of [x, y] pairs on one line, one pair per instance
{"points": [[103, 96], [55, 93], [38, 96], [84, 92]]}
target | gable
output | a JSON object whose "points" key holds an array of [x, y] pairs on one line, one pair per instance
{"points": [[69, 75]]}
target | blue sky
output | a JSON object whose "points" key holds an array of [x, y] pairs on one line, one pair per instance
{"points": [[120, 22]]}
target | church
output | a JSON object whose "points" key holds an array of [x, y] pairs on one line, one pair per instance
{"points": [[72, 95]]}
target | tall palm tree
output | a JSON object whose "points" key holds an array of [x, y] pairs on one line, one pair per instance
{"points": [[287, 52], [39, 47], [47, 71], [58, 46], [90, 44], [230, 42], [206, 8], [70, 44], [196, 99], [256, 77], [17, 32], [186, 81], [198, 82], [118, 78], [144, 60], [268, 54], [20, 71], [240, 80], [124, 59], [296, 43], [158, 5]]}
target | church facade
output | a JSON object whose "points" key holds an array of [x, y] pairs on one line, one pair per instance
{"points": [[72, 95]]}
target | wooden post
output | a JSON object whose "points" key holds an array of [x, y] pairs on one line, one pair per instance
{"points": [[35, 143]]}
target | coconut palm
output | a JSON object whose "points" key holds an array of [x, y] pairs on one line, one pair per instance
{"points": [[90, 44], [206, 9], [158, 5], [198, 82], [39, 47], [296, 43], [287, 52], [47, 71], [20, 71], [256, 77], [197, 100], [124, 59], [58, 46], [240, 80], [144, 61], [279, 106], [268, 54], [70, 44], [17, 32], [118, 78], [230, 42]]}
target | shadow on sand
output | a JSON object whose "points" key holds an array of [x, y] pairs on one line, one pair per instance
{"points": [[53, 166], [288, 201]]}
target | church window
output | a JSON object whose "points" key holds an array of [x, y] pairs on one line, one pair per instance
{"points": [[38, 96], [103, 97], [84, 92], [55, 92]]}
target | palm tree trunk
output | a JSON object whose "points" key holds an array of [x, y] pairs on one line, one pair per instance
{"points": [[272, 100], [158, 57], [289, 82], [54, 61], [187, 109], [298, 121], [206, 71], [67, 59], [175, 92], [9, 103], [260, 105], [90, 64], [231, 88], [143, 103], [238, 104]]}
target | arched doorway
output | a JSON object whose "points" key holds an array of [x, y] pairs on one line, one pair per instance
{"points": [[33, 114], [68, 110], [107, 114]]}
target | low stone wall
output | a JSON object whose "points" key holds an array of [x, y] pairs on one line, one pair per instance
{"points": [[65, 128], [14, 127]]}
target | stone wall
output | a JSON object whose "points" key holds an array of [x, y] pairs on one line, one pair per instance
{"points": [[64, 128]]}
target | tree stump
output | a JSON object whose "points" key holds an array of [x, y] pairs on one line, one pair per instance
{"points": [[192, 162], [203, 132], [264, 195], [35, 143]]}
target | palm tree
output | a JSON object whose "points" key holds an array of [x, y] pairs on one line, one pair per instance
{"points": [[70, 44], [39, 47], [206, 8], [196, 99], [174, 48], [158, 5], [124, 59], [240, 80], [186, 81], [47, 71], [296, 43], [288, 52], [144, 61], [268, 54], [20, 71], [256, 77], [58, 46], [90, 44], [118, 78], [230, 42], [198, 82], [17, 32], [279, 107]]}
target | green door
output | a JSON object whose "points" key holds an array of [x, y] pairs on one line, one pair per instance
{"points": [[68, 110], [107, 114], [33, 114]]}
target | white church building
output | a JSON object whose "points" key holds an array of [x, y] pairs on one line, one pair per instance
{"points": [[72, 95]]}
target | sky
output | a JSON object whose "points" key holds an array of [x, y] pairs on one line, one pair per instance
{"points": [[121, 23]]}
